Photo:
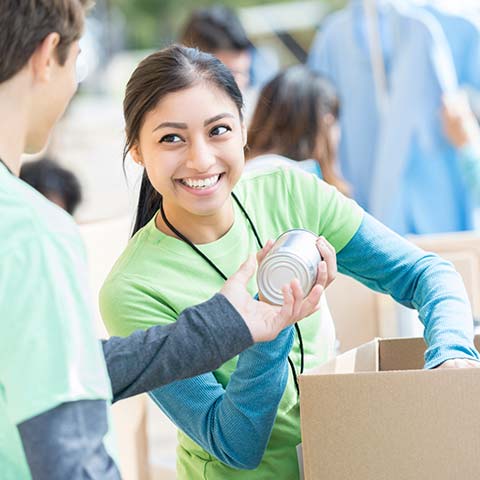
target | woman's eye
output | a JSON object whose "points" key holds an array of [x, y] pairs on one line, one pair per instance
{"points": [[170, 138], [219, 130]]}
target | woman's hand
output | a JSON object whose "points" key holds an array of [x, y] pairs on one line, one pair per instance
{"points": [[459, 363], [327, 268], [266, 321]]}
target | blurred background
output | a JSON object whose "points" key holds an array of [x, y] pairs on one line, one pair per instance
{"points": [[407, 77]]}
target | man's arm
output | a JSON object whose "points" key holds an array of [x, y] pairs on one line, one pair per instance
{"points": [[203, 338]]}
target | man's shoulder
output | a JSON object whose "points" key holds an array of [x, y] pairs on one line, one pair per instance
{"points": [[27, 215]]}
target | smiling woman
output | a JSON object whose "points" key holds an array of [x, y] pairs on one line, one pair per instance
{"points": [[198, 218], [193, 164]]}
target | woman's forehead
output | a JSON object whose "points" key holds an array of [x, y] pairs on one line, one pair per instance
{"points": [[199, 100]]}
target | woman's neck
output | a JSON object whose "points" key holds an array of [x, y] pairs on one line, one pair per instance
{"points": [[199, 229]]}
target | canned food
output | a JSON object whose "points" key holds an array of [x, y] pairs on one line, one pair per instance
{"points": [[293, 255]]}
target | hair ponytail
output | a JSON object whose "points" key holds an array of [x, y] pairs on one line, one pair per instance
{"points": [[149, 202]]}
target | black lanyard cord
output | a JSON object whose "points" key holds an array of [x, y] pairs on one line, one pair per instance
{"points": [[212, 264]]}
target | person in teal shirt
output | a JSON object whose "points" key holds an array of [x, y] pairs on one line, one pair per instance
{"points": [[198, 217], [55, 387]]}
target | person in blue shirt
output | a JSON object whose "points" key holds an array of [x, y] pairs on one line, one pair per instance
{"points": [[392, 150], [295, 122]]}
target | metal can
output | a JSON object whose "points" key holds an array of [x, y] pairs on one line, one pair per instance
{"points": [[293, 255]]}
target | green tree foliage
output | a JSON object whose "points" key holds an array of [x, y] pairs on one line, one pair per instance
{"points": [[152, 23]]}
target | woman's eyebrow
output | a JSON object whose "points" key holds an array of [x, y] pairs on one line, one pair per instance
{"points": [[182, 126], [218, 117]]}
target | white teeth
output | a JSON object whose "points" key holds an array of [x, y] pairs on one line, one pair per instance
{"points": [[203, 183]]}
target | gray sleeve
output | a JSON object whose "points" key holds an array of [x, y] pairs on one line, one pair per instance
{"points": [[67, 442], [203, 338]]}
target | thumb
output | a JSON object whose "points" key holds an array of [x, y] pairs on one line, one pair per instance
{"points": [[246, 270]]}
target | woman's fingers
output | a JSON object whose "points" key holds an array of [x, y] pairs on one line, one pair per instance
{"points": [[295, 307], [322, 274], [311, 303], [297, 293], [330, 258], [285, 315]]}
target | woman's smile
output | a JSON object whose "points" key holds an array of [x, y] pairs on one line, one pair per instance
{"points": [[201, 185]]}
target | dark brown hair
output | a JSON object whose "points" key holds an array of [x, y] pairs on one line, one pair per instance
{"points": [[166, 71], [215, 28], [290, 120], [24, 24]]}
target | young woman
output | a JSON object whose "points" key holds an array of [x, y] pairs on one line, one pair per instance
{"points": [[197, 221], [295, 120]]}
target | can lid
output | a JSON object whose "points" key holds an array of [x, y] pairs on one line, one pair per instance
{"points": [[279, 270]]}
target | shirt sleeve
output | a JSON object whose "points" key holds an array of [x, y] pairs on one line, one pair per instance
{"points": [[67, 442], [233, 423], [201, 340], [387, 263], [49, 354]]}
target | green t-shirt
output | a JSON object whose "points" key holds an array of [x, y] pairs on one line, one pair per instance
{"points": [[158, 276], [48, 351]]}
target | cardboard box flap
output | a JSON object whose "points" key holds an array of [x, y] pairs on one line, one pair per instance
{"points": [[405, 353], [401, 354], [361, 359]]}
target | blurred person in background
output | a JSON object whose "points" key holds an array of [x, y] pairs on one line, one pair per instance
{"points": [[198, 217], [463, 131], [295, 119], [54, 182], [218, 30], [55, 386], [392, 149]]}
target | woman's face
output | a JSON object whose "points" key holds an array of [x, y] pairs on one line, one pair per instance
{"points": [[191, 145]]}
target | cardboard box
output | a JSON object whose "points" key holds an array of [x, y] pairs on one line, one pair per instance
{"points": [[373, 414]]}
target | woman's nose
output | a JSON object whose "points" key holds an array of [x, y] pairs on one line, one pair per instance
{"points": [[201, 157]]}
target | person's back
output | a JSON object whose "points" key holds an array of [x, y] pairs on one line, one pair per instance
{"points": [[47, 341], [53, 376]]}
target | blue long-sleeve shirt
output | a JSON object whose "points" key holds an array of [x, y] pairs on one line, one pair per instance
{"points": [[234, 423]]}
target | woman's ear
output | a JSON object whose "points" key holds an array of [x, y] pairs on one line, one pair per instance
{"points": [[136, 154]]}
